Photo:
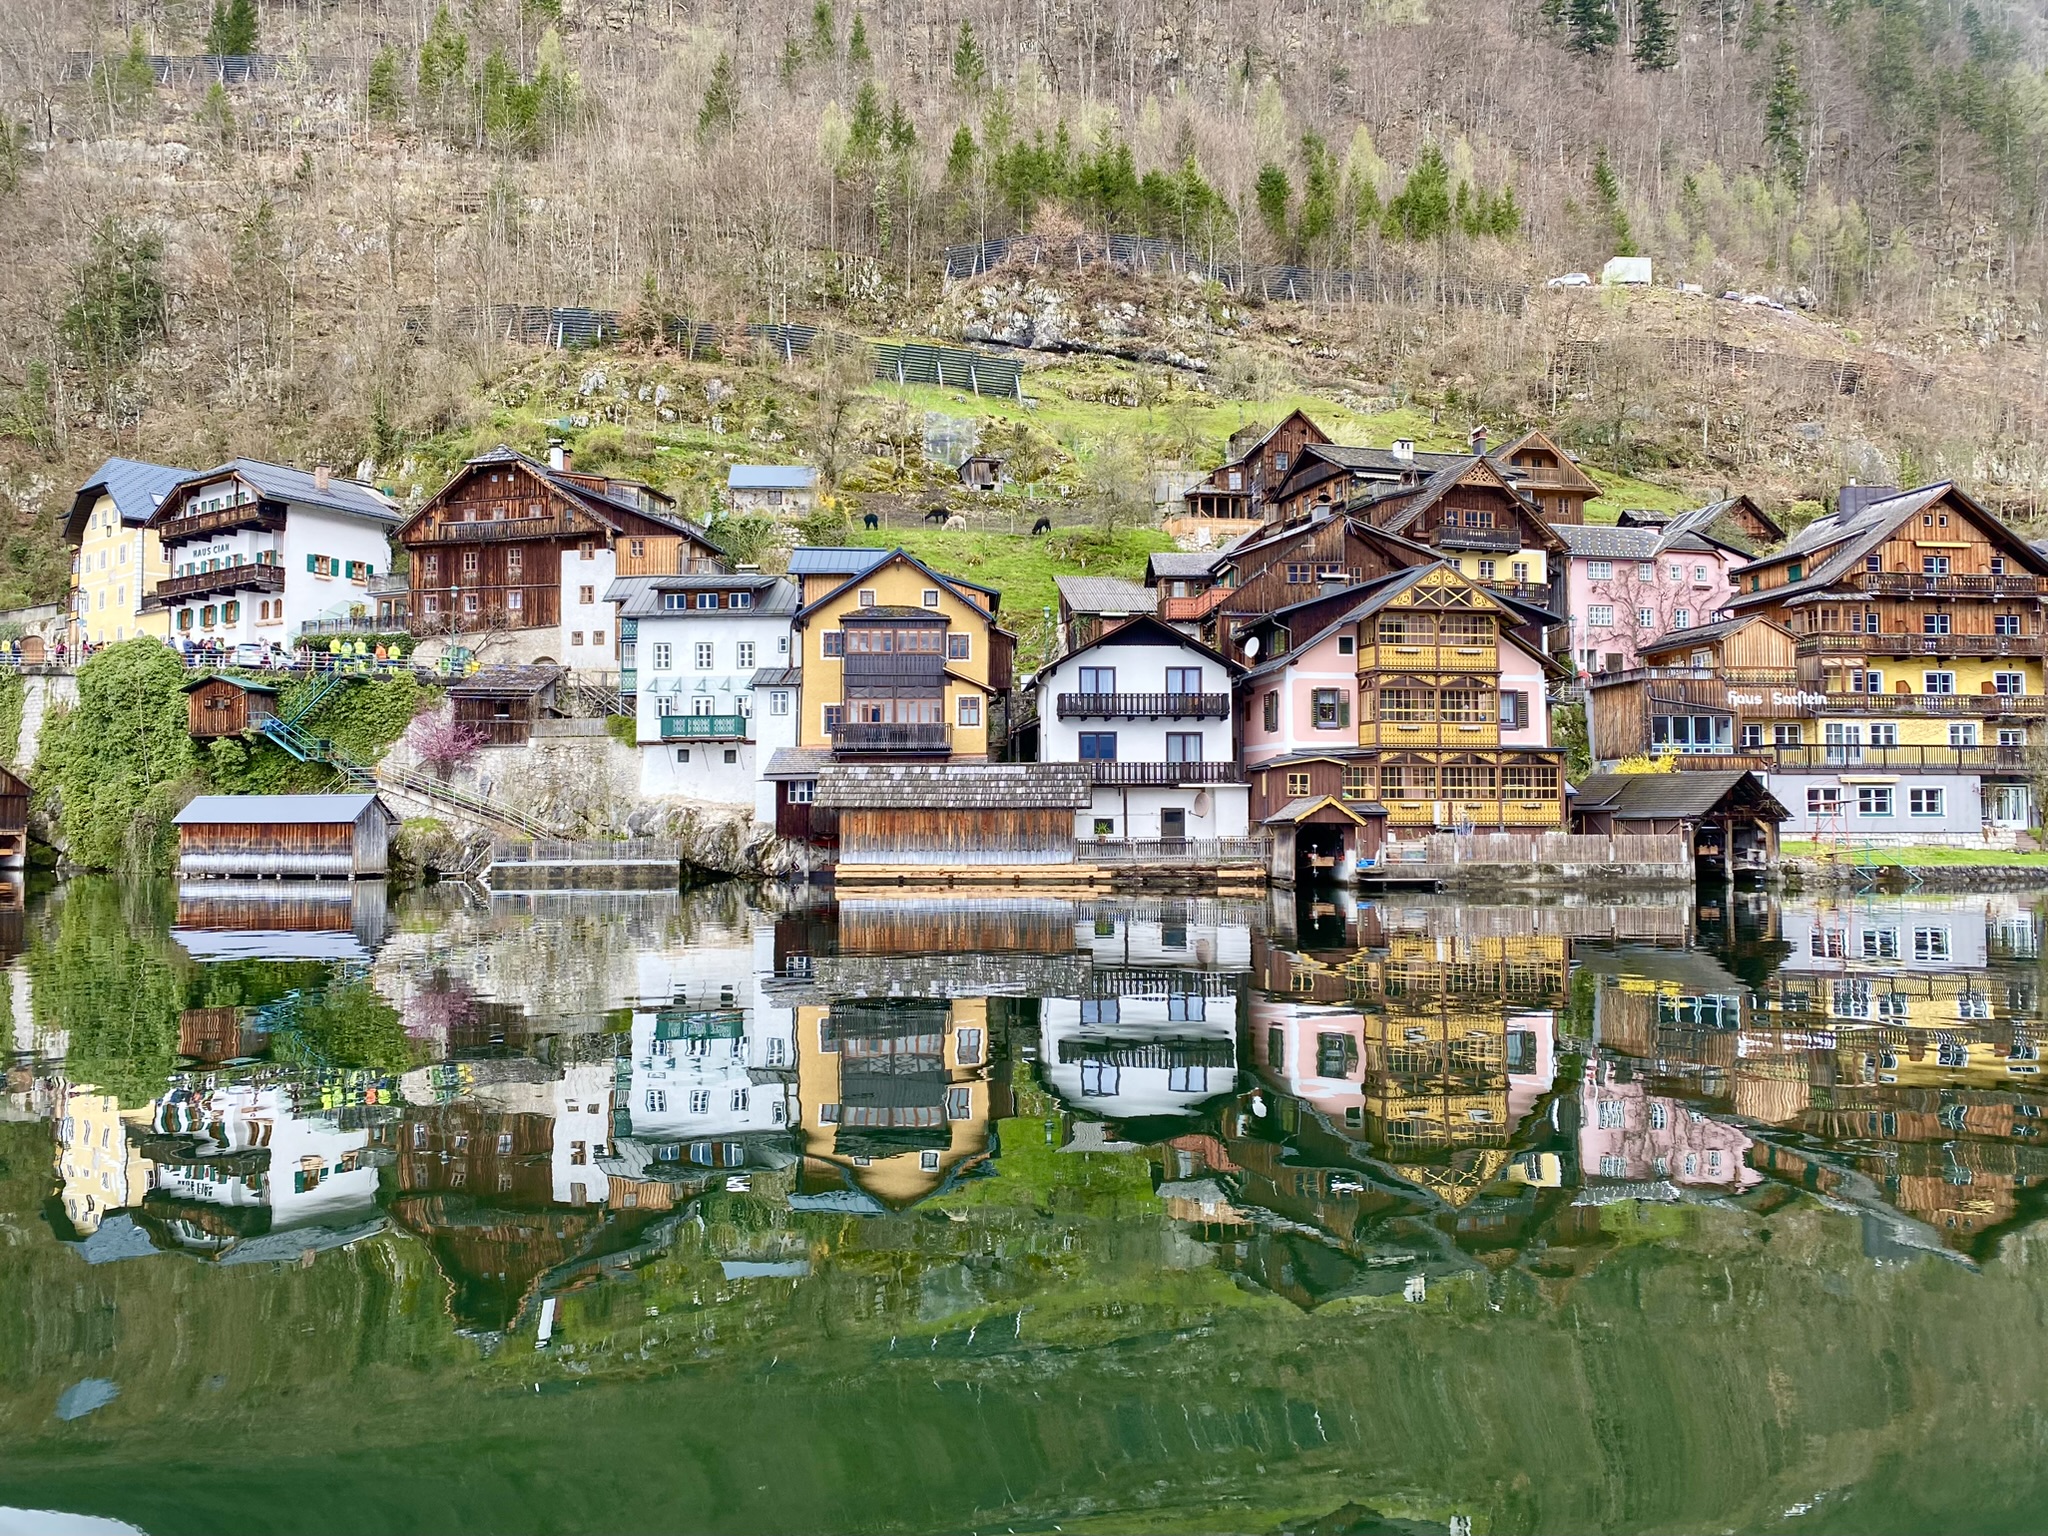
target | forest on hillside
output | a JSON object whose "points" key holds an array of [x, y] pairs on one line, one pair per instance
{"points": [[196, 259]]}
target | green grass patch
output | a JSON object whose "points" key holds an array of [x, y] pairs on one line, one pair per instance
{"points": [[1915, 857], [1619, 492]]}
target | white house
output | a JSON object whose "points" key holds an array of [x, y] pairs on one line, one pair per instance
{"points": [[256, 550], [710, 670], [778, 490], [1149, 709]]}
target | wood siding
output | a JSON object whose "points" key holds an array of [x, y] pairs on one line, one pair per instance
{"points": [[223, 707], [502, 722], [313, 851], [952, 837]]}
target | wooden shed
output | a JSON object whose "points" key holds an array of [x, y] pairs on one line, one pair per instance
{"points": [[299, 837], [502, 703], [227, 706], [1729, 817], [956, 814], [13, 823]]}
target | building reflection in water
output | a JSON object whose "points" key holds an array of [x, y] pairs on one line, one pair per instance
{"points": [[1336, 1097]]}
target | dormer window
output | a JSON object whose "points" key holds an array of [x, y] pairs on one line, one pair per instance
{"points": [[742, 600], [707, 599]]}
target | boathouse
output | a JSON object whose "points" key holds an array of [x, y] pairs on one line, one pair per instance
{"points": [[1728, 818], [13, 825], [298, 837], [226, 706], [955, 815]]}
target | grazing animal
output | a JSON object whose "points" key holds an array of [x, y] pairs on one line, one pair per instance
{"points": [[1043, 525], [871, 521], [937, 515], [956, 521]]}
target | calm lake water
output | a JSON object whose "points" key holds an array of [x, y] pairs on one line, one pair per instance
{"points": [[1020, 1215]]}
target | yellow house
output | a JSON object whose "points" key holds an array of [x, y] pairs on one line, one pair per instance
{"points": [[893, 1094], [898, 661], [116, 561]]}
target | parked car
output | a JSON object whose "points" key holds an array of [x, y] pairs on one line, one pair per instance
{"points": [[252, 653], [1571, 280]]}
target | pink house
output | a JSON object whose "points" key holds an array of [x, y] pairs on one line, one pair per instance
{"points": [[1625, 587], [1625, 1134]]}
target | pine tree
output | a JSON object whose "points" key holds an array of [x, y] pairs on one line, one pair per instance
{"points": [[721, 107], [791, 66], [824, 32], [1785, 103], [960, 157], [901, 133], [1422, 208], [1607, 194], [858, 54], [1656, 43], [1590, 26], [970, 69], [380, 93], [232, 31], [1318, 192], [1272, 193], [864, 132]]}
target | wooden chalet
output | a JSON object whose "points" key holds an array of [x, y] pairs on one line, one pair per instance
{"points": [[1471, 514], [1283, 565], [1714, 695], [502, 703], [14, 797], [1242, 489], [1730, 819], [489, 549], [1547, 475], [210, 1036], [1738, 521], [1091, 606], [227, 706], [948, 816], [302, 837]]}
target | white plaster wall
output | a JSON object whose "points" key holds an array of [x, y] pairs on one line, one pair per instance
{"points": [[590, 619]]}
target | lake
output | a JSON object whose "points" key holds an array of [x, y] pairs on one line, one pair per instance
{"points": [[329, 1209]]}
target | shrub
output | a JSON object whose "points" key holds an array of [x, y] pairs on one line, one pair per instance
{"points": [[117, 762]]}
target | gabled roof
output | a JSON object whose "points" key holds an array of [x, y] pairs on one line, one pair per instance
{"points": [[506, 682], [834, 560], [280, 482], [1460, 472], [770, 477], [600, 506], [1105, 594], [1597, 541], [1836, 544], [275, 810], [1714, 511], [955, 583], [1720, 629], [246, 684], [1297, 811], [1144, 629], [1665, 796], [643, 597], [135, 487], [1567, 461], [1178, 564]]}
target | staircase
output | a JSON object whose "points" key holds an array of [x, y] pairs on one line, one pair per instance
{"points": [[601, 699], [303, 746]]}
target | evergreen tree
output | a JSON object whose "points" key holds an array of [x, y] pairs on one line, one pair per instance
{"points": [[1590, 27], [1272, 193], [791, 66], [1507, 215], [119, 302], [1422, 208], [858, 54], [444, 58], [960, 158], [217, 116], [902, 134], [232, 31], [869, 124], [381, 92], [1785, 103], [1318, 192], [1656, 42], [721, 107], [1607, 195], [970, 69], [824, 32]]}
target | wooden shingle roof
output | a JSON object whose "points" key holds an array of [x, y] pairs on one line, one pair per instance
{"points": [[956, 786]]}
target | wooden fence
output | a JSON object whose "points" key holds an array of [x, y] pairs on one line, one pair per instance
{"points": [[1640, 849], [1175, 852]]}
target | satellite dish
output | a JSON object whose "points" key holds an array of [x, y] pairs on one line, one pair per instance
{"points": [[1251, 648]]}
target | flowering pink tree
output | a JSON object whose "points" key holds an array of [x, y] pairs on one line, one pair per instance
{"points": [[442, 742]]}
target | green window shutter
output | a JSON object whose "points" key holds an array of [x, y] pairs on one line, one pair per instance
{"points": [[311, 562], [1344, 710]]}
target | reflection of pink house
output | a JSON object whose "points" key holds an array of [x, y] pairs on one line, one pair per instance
{"points": [[1627, 586], [1627, 1134], [1532, 1061]]}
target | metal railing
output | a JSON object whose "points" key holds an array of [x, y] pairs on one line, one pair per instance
{"points": [[553, 850], [1493, 540], [1154, 706], [872, 736], [1174, 850], [703, 727]]}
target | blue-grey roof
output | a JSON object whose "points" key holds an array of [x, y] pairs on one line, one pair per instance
{"points": [[771, 477], [834, 560], [273, 810], [640, 597], [135, 486], [283, 483]]}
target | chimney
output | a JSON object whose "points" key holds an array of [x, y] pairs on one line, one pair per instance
{"points": [[1479, 441], [558, 456], [1404, 450], [322, 477]]}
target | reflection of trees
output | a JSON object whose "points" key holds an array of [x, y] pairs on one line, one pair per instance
{"points": [[106, 975]]}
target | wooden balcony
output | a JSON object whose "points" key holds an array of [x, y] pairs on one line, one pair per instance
{"points": [[1186, 610], [1429, 659], [1166, 775], [229, 578], [1922, 645], [1913, 584], [1394, 735], [1907, 706], [1828, 756], [1504, 541], [857, 736], [704, 727], [500, 531], [1144, 706], [265, 515]]}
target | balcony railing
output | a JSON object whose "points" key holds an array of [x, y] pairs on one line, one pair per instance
{"points": [[1736, 677], [1185, 610], [1927, 759], [867, 736], [266, 515], [1174, 850], [1493, 540], [1921, 645], [494, 532], [1161, 775], [1148, 706], [704, 727], [1913, 584], [229, 578], [2013, 706]]}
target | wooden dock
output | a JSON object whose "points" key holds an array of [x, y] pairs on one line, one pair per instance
{"points": [[1079, 878], [641, 863]]}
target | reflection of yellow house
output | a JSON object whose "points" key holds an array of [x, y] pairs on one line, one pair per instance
{"points": [[98, 1167], [1954, 1055], [1482, 965], [1437, 1079], [893, 1094], [899, 660]]}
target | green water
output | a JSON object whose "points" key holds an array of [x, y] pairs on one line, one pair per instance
{"points": [[1150, 1215]]}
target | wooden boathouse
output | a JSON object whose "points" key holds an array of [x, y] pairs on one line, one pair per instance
{"points": [[296, 837], [501, 704], [14, 795], [954, 817], [227, 706]]}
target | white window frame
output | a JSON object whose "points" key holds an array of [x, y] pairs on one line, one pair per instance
{"points": [[1924, 801], [706, 655]]}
